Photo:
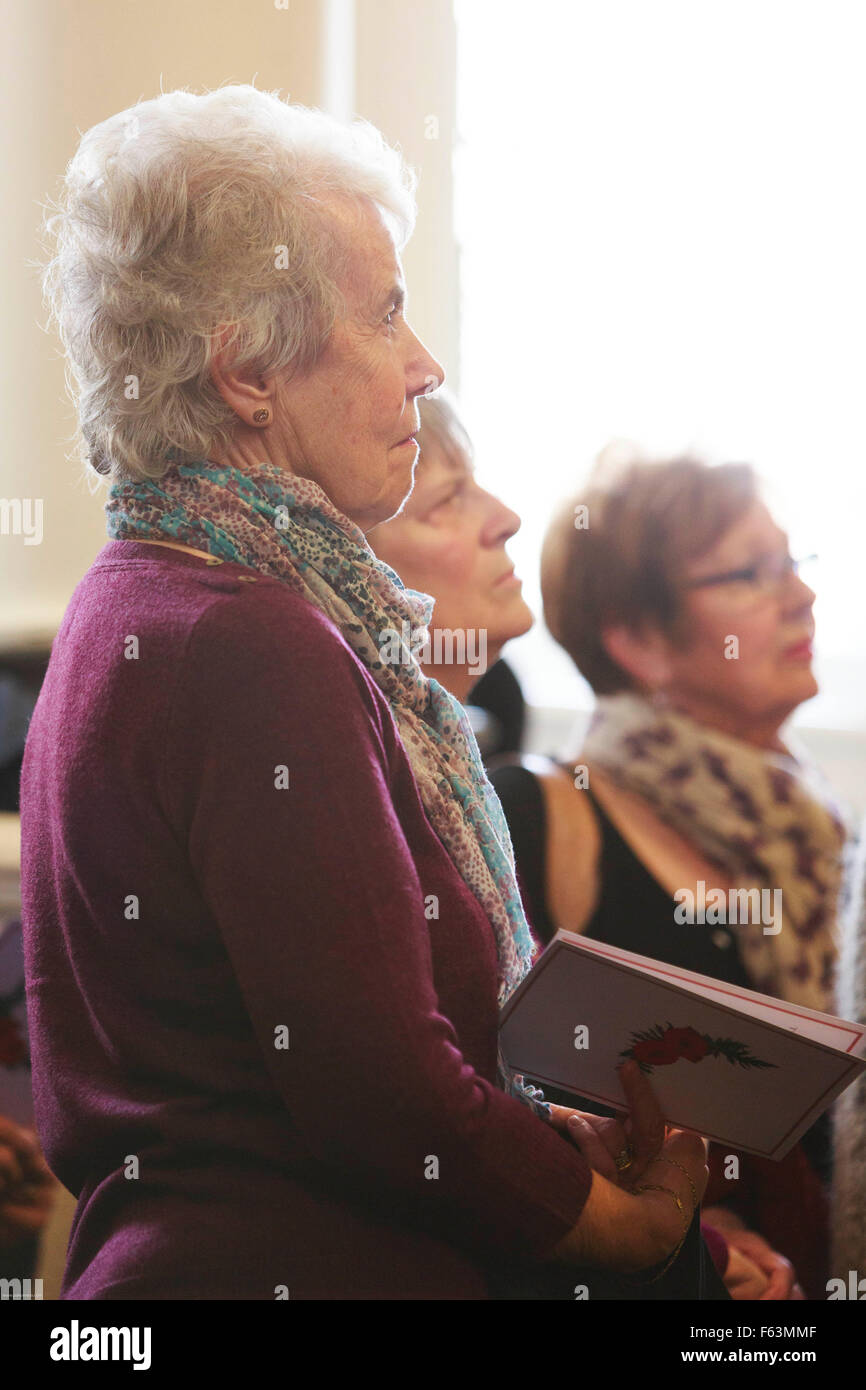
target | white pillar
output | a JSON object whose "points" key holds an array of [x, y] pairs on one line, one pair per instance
{"points": [[405, 81]]}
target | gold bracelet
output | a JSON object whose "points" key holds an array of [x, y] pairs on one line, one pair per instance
{"points": [[656, 1187], [675, 1164]]}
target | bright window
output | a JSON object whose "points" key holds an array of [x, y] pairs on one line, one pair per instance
{"points": [[662, 226]]}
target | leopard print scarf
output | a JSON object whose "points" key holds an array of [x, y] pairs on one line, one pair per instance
{"points": [[765, 818]]}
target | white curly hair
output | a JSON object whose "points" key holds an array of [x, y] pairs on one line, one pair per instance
{"points": [[190, 223]]}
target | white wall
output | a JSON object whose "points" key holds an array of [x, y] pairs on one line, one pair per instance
{"points": [[68, 64]]}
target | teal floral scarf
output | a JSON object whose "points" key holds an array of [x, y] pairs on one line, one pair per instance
{"points": [[284, 526]]}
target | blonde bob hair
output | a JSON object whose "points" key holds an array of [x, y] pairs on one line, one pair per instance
{"points": [[441, 425], [193, 223]]}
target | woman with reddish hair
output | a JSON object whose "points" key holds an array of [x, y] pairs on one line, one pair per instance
{"points": [[671, 587]]}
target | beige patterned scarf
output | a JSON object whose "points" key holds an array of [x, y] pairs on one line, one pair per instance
{"points": [[766, 819]]}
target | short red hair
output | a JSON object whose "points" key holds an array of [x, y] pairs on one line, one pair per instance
{"points": [[621, 561]]}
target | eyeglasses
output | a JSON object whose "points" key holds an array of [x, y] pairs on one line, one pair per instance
{"points": [[766, 576]]}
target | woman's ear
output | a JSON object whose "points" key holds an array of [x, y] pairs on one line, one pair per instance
{"points": [[643, 655], [240, 388]]}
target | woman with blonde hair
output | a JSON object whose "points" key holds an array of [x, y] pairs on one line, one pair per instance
{"points": [[448, 540]]}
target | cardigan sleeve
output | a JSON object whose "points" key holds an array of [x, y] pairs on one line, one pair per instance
{"points": [[279, 761]]}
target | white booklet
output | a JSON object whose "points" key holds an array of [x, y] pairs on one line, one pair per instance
{"points": [[741, 1068]]}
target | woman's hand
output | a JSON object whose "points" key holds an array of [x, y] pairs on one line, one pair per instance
{"points": [[602, 1140], [599, 1139], [743, 1279], [26, 1184], [17, 1147], [780, 1279], [622, 1227], [779, 1274]]}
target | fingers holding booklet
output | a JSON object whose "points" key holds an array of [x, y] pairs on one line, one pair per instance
{"points": [[661, 1172], [739, 1067], [619, 1150], [643, 1227]]}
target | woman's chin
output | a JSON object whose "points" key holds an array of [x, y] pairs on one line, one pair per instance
{"points": [[519, 621], [803, 686], [799, 694], [513, 626]]}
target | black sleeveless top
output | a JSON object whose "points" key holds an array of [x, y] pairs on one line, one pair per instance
{"points": [[633, 910]]}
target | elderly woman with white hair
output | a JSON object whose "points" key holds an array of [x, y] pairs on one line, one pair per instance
{"points": [[268, 895]]}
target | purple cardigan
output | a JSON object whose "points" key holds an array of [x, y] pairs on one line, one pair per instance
{"points": [[261, 1062]]}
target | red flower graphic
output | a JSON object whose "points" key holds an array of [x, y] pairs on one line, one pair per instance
{"points": [[661, 1047], [655, 1052], [687, 1042]]}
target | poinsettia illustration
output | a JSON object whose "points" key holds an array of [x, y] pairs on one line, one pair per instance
{"points": [[661, 1047]]}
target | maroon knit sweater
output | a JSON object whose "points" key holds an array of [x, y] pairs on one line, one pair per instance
{"points": [[263, 1018]]}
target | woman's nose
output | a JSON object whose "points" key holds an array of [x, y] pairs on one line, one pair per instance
{"points": [[799, 594], [424, 374], [501, 524]]}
